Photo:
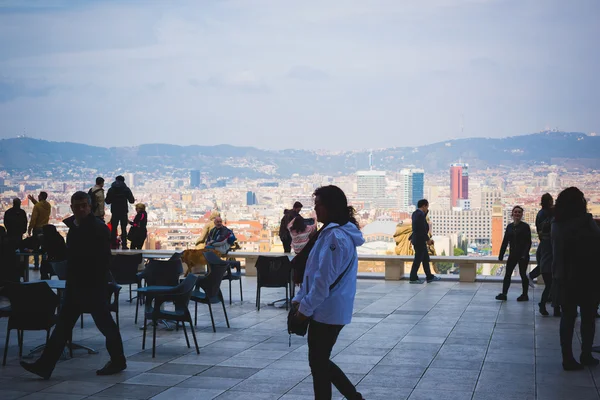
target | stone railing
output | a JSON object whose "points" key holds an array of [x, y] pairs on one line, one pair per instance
{"points": [[395, 266]]}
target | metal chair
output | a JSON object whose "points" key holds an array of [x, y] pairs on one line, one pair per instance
{"points": [[213, 259], [273, 272], [210, 293], [124, 269]]}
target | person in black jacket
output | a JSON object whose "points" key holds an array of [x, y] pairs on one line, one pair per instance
{"points": [[138, 231], [9, 265], [420, 240], [118, 196], [518, 236], [284, 232], [88, 259], [53, 245], [15, 221]]}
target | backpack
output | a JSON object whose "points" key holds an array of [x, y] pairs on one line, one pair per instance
{"points": [[92, 194]]}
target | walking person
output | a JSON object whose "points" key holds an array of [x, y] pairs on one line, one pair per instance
{"points": [[543, 224], [576, 276], [138, 231], [284, 233], [118, 196], [97, 195], [518, 237], [88, 259], [328, 289], [420, 240]]}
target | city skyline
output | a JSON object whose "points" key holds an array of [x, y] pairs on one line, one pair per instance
{"points": [[250, 72]]}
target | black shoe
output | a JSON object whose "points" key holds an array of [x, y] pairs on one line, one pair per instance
{"points": [[543, 310], [35, 368], [112, 368], [433, 278], [572, 365], [588, 360], [124, 248], [523, 297], [501, 296]]}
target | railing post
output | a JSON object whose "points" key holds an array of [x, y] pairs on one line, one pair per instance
{"points": [[468, 271], [394, 269]]}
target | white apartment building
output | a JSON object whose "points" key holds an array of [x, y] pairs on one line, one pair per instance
{"points": [[475, 225], [489, 197], [370, 184]]}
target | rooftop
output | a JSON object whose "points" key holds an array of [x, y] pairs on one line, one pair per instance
{"points": [[446, 340]]}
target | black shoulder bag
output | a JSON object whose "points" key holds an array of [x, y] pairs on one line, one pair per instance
{"points": [[300, 328]]}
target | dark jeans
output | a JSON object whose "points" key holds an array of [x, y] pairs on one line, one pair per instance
{"points": [[511, 263], [567, 326], [137, 242], [94, 301], [114, 221], [534, 273], [36, 257], [548, 287], [287, 245], [421, 256], [321, 338]]}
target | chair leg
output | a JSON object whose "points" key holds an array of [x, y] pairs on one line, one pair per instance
{"points": [[195, 313], [154, 323], [241, 292], [211, 317], [258, 298], [6, 345], [137, 305], [186, 335], [230, 292], [193, 334], [287, 295], [224, 310], [20, 336], [81, 320], [130, 298], [144, 335]]}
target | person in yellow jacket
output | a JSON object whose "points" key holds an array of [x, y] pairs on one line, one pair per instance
{"points": [[39, 217]]}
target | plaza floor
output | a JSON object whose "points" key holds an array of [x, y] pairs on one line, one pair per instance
{"points": [[445, 340]]}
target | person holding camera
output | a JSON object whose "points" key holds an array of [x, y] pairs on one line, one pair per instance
{"points": [[301, 231], [326, 296]]}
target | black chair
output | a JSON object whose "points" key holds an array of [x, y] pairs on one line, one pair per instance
{"points": [[158, 273], [180, 296], [33, 308], [124, 269], [211, 292], [273, 272], [213, 259]]}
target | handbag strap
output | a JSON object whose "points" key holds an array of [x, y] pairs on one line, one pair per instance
{"points": [[339, 278]]}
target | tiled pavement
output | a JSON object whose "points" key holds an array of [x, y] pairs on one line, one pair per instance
{"points": [[445, 340]]}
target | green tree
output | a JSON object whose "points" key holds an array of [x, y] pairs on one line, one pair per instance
{"points": [[444, 267], [458, 252]]}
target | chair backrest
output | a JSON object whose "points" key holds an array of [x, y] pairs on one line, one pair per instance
{"points": [[33, 305], [212, 282], [273, 271], [60, 269], [124, 268], [183, 292], [163, 273], [213, 259]]}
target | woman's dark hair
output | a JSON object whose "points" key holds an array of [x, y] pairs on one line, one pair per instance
{"points": [[570, 203], [546, 201], [335, 202], [299, 225]]}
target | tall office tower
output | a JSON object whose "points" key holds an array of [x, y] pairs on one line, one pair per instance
{"points": [[371, 184], [250, 198], [497, 227], [194, 178], [553, 181], [130, 179], [411, 188], [459, 183]]}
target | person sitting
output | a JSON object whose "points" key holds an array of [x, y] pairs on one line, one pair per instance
{"points": [[300, 233], [138, 231], [201, 242], [220, 237], [53, 244]]}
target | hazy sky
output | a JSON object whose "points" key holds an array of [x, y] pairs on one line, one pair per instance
{"points": [[345, 74]]}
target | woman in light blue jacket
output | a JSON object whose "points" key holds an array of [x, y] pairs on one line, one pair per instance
{"points": [[327, 292]]}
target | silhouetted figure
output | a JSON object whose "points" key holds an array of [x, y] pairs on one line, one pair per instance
{"points": [[40, 216], [96, 193], [119, 196], [9, 265], [88, 244], [53, 245], [138, 231], [284, 233], [420, 240], [543, 223], [328, 289], [15, 221], [518, 237], [576, 276]]}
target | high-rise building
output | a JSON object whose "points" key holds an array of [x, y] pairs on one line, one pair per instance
{"points": [[250, 198], [489, 197], [459, 183], [418, 185], [475, 225], [130, 179], [553, 181], [371, 184], [194, 178], [412, 188]]}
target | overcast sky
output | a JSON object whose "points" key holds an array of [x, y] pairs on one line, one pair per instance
{"points": [[345, 74]]}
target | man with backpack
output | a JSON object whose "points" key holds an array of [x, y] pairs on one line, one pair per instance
{"points": [[118, 196], [284, 232], [96, 193]]}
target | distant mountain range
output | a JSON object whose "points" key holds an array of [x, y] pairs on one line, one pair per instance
{"points": [[574, 149]]}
